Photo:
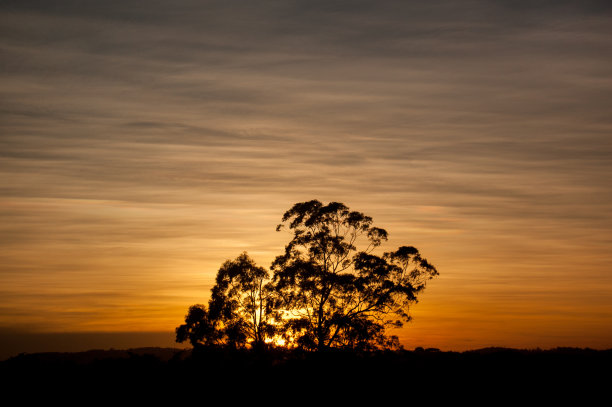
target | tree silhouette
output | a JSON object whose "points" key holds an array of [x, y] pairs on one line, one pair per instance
{"points": [[239, 311], [242, 298], [199, 328], [328, 289], [334, 295]]}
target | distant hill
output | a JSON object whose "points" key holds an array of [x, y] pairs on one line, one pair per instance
{"points": [[14, 342], [90, 356]]}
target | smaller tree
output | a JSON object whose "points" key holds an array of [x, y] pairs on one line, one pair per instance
{"points": [[199, 328], [242, 297], [239, 311]]}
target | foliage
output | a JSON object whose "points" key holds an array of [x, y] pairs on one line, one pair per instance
{"points": [[199, 328], [335, 295], [238, 312], [328, 290], [242, 298]]}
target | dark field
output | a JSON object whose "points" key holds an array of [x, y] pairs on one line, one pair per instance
{"points": [[202, 376]]}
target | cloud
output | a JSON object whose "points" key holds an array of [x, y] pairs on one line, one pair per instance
{"points": [[182, 131]]}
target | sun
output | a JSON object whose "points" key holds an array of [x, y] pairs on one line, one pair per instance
{"points": [[276, 342]]}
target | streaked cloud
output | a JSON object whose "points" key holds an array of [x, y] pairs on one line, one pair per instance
{"points": [[141, 147]]}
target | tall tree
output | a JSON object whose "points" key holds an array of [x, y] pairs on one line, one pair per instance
{"points": [[334, 294]]}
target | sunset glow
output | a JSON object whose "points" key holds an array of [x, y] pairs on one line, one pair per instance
{"points": [[141, 148]]}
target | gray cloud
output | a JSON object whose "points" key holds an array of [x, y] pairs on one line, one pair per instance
{"points": [[182, 130]]}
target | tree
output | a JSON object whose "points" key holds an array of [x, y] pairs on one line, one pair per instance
{"points": [[242, 298], [199, 328], [239, 311], [329, 289], [331, 294]]}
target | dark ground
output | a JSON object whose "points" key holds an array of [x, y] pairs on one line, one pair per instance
{"points": [[215, 375]]}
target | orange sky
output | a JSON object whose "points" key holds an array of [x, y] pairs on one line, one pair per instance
{"points": [[142, 148]]}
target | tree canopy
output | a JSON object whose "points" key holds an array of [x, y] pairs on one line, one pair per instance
{"points": [[239, 310], [328, 290]]}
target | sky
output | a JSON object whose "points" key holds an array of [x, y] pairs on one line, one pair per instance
{"points": [[142, 144]]}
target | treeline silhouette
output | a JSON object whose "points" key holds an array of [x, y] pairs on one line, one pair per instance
{"points": [[280, 371]]}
